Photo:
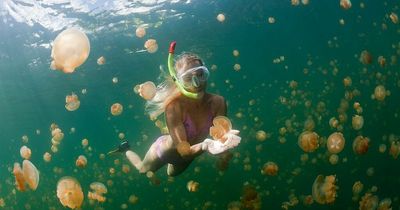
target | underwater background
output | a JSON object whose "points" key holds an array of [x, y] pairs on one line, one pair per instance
{"points": [[293, 61]]}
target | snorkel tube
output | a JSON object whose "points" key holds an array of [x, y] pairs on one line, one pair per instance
{"points": [[172, 72]]}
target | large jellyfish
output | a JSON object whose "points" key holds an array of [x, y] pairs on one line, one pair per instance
{"points": [[25, 152], [151, 45], [324, 189], [70, 50], [146, 90], [335, 142], [308, 141], [69, 192], [221, 125], [19, 177], [72, 102], [31, 174]]}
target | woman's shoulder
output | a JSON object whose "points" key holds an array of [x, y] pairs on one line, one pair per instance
{"points": [[216, 99]]}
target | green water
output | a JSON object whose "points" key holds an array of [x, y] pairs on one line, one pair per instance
{"points": [[32, 97]]}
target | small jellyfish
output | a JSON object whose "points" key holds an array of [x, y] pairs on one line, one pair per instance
{"points": [[393, 16], [237, 67], [333, 159], [47, 157], [192, 186], [221, 17], [85, 143], [96, 197], [394, 149], [235, 53], [360, 145], [261, 135], [382, 148], [133, 199], [382, 61], [98, 187], [270, 168], [295, 2], [147, 90], [380, 93], [116, 109], [69, 192], [81, 162], [368, 202], [140, 31], [72, 102], [19, 177], [31, 174], [271, 20], [333, 122], [25, 139], [357, 187], [70, 50], [365, 57], [25, 152], [345, 4], [101, 60], [308, 141], [335, 143], [183, 148], [151, 45], [385, 204], [121, 136], [357, 122], [324, 189]]}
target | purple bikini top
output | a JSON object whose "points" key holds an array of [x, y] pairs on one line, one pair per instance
{"points": [[192, 131]]}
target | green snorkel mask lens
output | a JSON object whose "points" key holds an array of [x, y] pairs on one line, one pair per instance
{"points": [[172, 72]]}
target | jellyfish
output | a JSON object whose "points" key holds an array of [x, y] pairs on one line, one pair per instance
{"points": [[385, 204], [235, 53], [295, 2], [25, 139], [221, 125], [333, 122], [271, 20], [324, 189], [133, 199], [382, 61], [31, 174], [380, 93], [19, 177], [140, 31], [360, 145], [70, 50], [72, 102], [147, 90], [394, 18], [357, 122], [151, 45], [116, 109], [365, 57], [357, 187], [221, 17], [308, 141], [394, 149], [270, 168], [115, 80], [25, 152], [69, 192], [347, 81], [98, 187], [333, 159], [368, 202], [183, 148], [250, 198], [237, 67], [47, 157], [97, 197], [81, 162], [335, 143], [85, 143], [192, 186], [261, 135], [345, 4], [101, 60]]}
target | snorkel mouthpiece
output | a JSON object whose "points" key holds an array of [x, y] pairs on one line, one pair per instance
{"points": [[172, 72]]}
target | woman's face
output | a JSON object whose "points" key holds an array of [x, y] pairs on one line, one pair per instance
{"points": [[187, 80]]}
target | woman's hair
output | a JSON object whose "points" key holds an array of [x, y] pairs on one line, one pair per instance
{"points": [[167, 90]]}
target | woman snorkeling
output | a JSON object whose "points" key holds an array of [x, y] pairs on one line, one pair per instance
{"points": [[189, 112]]}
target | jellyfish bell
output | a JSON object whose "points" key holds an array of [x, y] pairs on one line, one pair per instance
{"points": [[147, 90], [19, 177], [192, 186], [365, 57], [324, 189], [69, 192], [345, 4], [81, 162], [140, 31], [270, 168], [25, 152], [308, 141], [70, 49], [183, 148], [221, 126], [360, 145], [116, 109], [379, 93], [221, 17], [98, 187], [335, 142], [368, 202], [47, 157], [101, 60], [96, 197], [357, 122], [72, 102], [31, 174], [151, 45]]}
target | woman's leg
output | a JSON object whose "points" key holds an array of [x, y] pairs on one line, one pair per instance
{"points": [[176, 169], [153, 159]]}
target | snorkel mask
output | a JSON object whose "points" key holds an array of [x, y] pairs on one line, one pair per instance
{"points": [[190, 78]]}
